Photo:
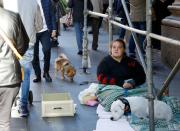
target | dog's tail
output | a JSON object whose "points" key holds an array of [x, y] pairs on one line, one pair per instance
{"points": [[62, 55]]}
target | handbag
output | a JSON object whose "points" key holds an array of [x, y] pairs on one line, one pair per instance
{"points": [[69, 19], [11, 45]]}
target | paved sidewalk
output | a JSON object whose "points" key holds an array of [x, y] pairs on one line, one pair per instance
{"points": [[85, 118]]}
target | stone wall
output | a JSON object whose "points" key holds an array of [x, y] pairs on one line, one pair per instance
{"points": [[171, 28]]}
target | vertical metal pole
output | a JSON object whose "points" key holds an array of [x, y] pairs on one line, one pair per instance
{"points": [[85, 40], [110, 24], [149, 64], [136, 40]]}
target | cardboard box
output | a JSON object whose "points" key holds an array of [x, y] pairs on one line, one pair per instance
{"points": [[57, 104]]}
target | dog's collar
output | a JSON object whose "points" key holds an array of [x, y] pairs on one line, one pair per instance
{"points": [[127, 109]]}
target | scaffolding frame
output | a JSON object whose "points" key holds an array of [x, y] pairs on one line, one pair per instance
{"points": [[148, 33]]}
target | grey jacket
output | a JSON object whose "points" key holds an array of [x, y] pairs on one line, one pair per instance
{"points": [[11, 25], [138, 10]]}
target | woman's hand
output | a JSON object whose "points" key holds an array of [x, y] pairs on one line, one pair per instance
{"points": [[127, 85]]}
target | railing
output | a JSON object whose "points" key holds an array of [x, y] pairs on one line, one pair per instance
{"points": [[148, 65]]}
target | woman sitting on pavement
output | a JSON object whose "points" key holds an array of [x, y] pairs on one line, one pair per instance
{"points": [[119, 69]]}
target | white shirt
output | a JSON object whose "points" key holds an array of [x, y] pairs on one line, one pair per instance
{"points": [[27, 10], [42, 14]]}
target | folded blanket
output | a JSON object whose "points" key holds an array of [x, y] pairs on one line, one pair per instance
{"points": [[106, 94]]}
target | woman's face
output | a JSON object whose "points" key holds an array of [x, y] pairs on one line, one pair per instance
{"points": [[117, 49]]}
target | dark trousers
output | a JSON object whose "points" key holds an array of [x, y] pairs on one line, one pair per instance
{"points": [[44, 38], [132, 46], [105, 6], [95, 29]]}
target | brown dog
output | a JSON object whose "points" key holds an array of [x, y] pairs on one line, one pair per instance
{"points": [[63, 65]]}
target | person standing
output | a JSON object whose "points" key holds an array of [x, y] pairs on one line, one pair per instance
{"points": [[105, 6], [138, 18], [43, 36], [119, 11], [10, 69], [78, 21], [97, 7], [31, 17], [58, 15]]}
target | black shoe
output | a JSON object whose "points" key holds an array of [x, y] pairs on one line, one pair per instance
{"points": [[90, 32], [94, 48], [47, 77], [54, 43], [37, 79], [80, 52]]}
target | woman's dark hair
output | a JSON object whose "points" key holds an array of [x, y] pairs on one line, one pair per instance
{"points": [[117, 40]]}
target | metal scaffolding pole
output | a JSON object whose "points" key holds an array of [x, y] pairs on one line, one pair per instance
{"points": [[149, 64], [148, 68], [134, 36], [85, 40], [169, 78], [110, 24]]}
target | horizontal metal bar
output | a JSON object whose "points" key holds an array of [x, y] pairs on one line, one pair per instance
{"points": [[152, 35], [128, 28], [165, 39], [98, 14]]}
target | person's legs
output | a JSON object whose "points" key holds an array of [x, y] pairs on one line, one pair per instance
{"points": [[95, 29], [142, 26], [6, 105], [35, 61], [46, 47], [122, 31], [79, 35], [132, 45], [24, 91], [105, 6]]}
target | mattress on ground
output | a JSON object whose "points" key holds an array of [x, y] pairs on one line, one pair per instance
{"points": [[105, 124], [102, 113], [109, 125]]}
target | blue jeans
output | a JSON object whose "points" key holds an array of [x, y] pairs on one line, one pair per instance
{"points": [[122, 31], [24, 90], [132, 46], [79, 34]]}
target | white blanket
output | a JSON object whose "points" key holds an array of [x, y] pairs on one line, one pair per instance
{"points": [[105, 124], [102, 114], [109, 125]]}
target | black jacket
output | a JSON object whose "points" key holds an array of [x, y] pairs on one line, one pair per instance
{"points": [[78, 10], [111, 72]]}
